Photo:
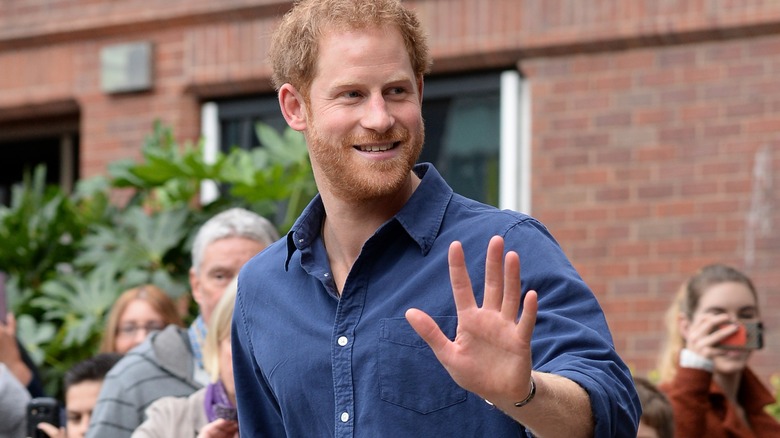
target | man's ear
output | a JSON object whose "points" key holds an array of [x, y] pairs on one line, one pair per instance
{"points": [[293, 107], [195, 286]]}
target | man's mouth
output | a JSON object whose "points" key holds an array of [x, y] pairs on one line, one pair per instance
{"points": [[376, 147]]}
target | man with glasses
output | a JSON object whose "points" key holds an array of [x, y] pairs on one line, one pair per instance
{"points": [[169, 362]]}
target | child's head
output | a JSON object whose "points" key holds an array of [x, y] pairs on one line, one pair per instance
{"points": [[657, 414]]}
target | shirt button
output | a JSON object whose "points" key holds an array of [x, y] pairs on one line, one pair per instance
{"points": [[343, 340], [344, 417], [300, 240], [325, 274]]}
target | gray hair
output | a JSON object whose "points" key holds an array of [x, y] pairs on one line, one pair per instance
{"points": [[234, 222]]}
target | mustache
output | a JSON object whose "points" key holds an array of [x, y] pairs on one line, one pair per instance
{"points": [[394, 135]]}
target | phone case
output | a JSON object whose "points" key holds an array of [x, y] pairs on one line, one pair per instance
{"points": [[749, 336], [42, 410]]}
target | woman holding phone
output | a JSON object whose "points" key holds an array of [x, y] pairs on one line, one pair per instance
{"points": [[713, 328]]}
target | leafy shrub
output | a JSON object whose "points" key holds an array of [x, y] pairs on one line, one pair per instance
{"points": [[69, 256]]}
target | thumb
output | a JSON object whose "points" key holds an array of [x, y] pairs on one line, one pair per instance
{"points": [[427, 328]]}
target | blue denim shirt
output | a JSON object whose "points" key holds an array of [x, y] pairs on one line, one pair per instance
{"points": [[310, 363]]}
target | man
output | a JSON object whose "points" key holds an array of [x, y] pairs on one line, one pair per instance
{"points": [[332, 334], [82, 385], [168, 363]]}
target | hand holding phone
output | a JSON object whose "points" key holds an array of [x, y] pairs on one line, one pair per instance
{"points": [[42, 410], [749, 336]]}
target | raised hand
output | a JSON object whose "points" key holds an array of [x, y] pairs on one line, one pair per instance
{"points": [[491, 353], [705, 331]]}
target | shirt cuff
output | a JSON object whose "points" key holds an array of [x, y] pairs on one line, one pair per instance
{"points": [[689, 359]]}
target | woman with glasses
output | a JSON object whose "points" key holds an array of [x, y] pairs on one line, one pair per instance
{"points": [[136, 313], [714, 326]]}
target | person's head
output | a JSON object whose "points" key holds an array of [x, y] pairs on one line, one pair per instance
{"points": [[657, 413], [350, 77], [82, 384], [217, 352], [222, 246], [715, 289], [136, 313], [296, 44]]}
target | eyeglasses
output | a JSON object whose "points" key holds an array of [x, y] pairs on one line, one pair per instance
{"points": [[130, 330]]}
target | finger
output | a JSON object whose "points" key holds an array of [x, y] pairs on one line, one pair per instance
{"points": [[511, 303], [225, 427], [528, 317], [50, 430], [427, 328], [705, 326], [459, 278], [11, 322], [721, 333], [494, 274]]}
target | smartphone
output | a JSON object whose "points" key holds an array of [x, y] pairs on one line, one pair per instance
{"points": [[42, 410], [3, 299], [749, 336]]}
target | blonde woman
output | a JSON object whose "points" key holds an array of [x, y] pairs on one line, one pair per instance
{"points": [[211, 411], [704, 367], [136, 313]]}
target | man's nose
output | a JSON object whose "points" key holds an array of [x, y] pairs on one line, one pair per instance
{"points": [[377, 115]]}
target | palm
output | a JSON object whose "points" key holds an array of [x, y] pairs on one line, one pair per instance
{"points": [[491, 352]]}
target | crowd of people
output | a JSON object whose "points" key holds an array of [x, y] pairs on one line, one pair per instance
{"points": [[394, 306]]}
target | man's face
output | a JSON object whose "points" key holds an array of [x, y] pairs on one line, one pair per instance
{"points": [[80, 399], [364, 123], [222, 259]]}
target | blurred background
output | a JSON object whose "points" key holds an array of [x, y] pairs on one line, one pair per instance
{"points": [[645, 134]]}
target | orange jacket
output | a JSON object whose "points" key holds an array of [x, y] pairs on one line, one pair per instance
{"points": [[702, 410]]}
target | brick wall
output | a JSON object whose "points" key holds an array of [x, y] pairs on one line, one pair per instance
{"points": [[648, 164], [651, 118]]}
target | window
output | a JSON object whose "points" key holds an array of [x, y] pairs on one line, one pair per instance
{"points": [[472, 130], [25, 145]]}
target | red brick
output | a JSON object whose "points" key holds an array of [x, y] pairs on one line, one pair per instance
{"points": [[676, 208], [626, 250]]}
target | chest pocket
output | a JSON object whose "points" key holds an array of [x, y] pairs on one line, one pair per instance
{"points": [[410, 376]]}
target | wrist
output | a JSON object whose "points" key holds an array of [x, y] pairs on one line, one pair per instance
{"points": [[531, 394], [527, 399], [690, 359]]}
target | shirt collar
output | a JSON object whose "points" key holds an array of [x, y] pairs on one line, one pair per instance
{"points": [[420, 217]]}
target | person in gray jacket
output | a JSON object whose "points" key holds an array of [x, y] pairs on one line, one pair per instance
{"points": [[13, 405], [209, 412], [169, 362]]}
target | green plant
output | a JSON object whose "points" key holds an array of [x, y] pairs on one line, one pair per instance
{"points": [[774, 408], [69, 255]]}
